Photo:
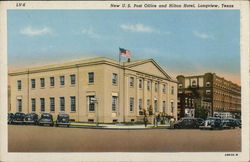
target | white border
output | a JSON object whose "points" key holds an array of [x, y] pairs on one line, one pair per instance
{"points": [[192, 156]]}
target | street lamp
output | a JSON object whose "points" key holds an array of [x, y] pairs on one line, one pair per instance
{"points": [[95, 101]]}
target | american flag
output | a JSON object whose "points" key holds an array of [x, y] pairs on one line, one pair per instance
{"points": [[124, 52]]}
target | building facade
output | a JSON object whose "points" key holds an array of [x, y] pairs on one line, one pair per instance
{"points": [[212, 92], [122, 90]]}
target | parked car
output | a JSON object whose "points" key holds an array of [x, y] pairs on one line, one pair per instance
{"points": [[238, 121], [46, 119], [10, 117], [31, 118], [212, 123], [18, 118], [188, 123], [62, 119]]}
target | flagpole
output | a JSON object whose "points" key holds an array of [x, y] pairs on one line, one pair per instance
{"points": [[119, 82]]}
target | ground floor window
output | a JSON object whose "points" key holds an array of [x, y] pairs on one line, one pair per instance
{"points": [[114, 103], [131, 104], [42, 104], [73, 103], [33, 104], [19, 105], [91, 104], [140, 104], [172, 106], [52, 104], [164, 106], [62, 104], [156, 105]]}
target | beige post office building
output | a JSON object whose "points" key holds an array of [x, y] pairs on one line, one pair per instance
{"points": [[122, 90]]}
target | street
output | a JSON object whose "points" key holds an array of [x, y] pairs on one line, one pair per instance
{"points": [[54, 139]]}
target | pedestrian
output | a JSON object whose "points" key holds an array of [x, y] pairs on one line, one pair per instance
{"points": [[145, 121], [172, 123]]}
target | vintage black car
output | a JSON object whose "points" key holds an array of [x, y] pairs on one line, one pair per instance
{"points": [[62, 119], [212, 123], [188, 123], [230, 123], [18, 118], [31, 118], [238, 121], [46, 119], [10, 117]]}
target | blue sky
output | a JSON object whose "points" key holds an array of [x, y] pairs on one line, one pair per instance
{"points": [[182, 41]]}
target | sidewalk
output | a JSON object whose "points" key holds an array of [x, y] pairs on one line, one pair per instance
{"points": [[117, 126]]}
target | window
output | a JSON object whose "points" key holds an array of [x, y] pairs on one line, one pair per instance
{"points": [[208, 92], [114, 78], [131, 82], [19, 84], [140, 83], [73, 103], [42, 82], [172, 106], [208, 84], [131, 104], [19, 105], [172, 90], [91, 103], [72, 79], [91, 77], [180, 85], [42, 104], [148, 103], [114, 103], [140, 104], [193, 83], [62, 80], [156, 86], [33, 83], [148, 85], [164, 106], [164, 88], [156, 105], [52, 81], [52, 104], [33, 104], [62, 104]]}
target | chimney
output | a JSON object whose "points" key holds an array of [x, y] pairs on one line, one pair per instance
{"points": [[128, 59]]}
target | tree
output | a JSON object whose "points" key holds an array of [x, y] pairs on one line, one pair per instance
{"points": [[201, 112]]}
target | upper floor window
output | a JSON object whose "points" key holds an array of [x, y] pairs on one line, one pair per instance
{"points": [[114, 103], [208, 84], [163, 88], [72, 79], [33, 83], [42, 82], [148, 85], [52, 81], [180, 85], [131, 82], [62, 80], [114, 78], [208, 92], [172, 90], [156, 86], [140, 83], [91, 77], [19, 84], [131, 104]]}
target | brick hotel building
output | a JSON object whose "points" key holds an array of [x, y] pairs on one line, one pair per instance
{"points": [[210, 91], [122, 90]]}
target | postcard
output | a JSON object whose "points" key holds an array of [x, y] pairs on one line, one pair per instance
{"points": [[124, 81]]}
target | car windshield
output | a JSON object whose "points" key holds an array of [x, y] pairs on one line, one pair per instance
{"points": [[46, 116]]}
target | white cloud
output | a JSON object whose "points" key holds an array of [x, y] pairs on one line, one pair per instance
{"points": [[202, 35], [35, 32], [137, 28], [90, 33]]}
